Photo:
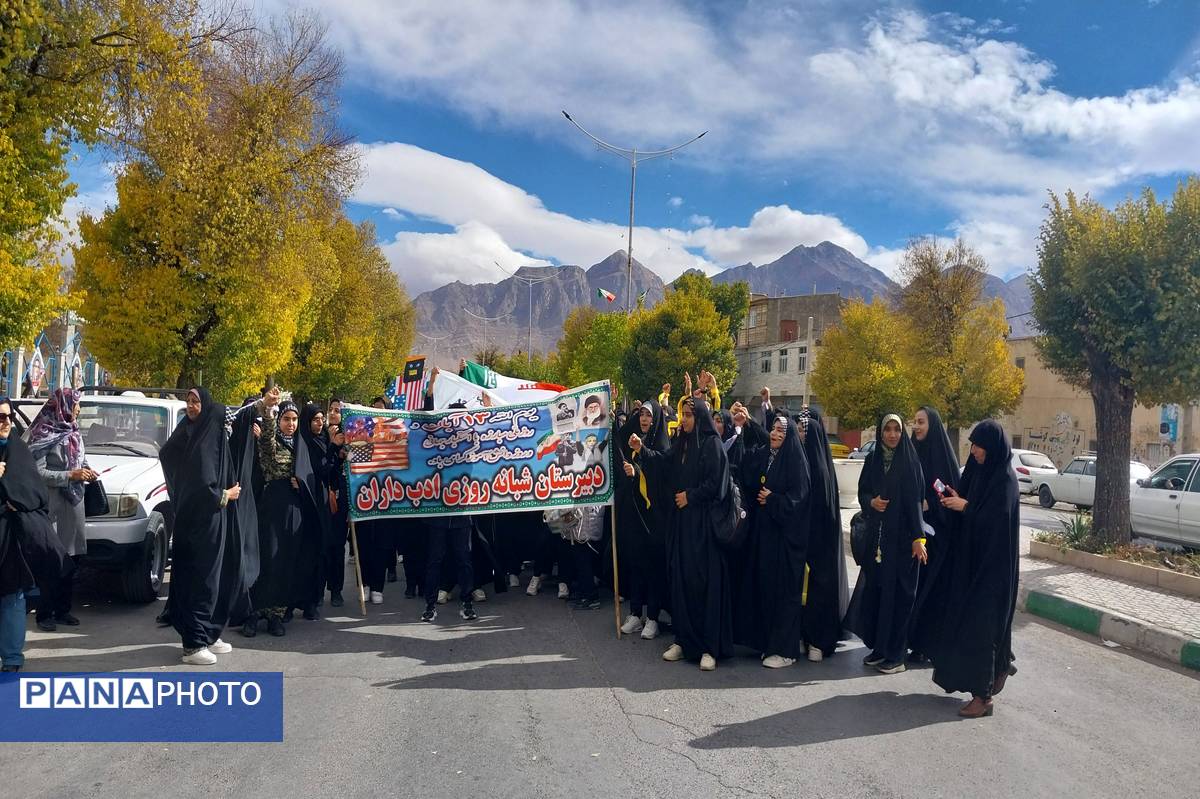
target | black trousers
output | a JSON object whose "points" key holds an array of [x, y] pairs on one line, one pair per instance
{"points": [[583, 560], [376, 543], [441, 539], [334, 558], [56, 597], [414, 546]]}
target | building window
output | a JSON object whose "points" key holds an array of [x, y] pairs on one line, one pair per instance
{"points": [[757, 317], [766, 362], [1021, 364], [783, 362], [802, 359], [1016, 442]]}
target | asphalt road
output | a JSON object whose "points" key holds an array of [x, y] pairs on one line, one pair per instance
{"points": [[535, 700]]}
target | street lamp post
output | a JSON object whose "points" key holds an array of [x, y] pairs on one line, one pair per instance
{"points": [[634, 157], [485, 319], [528, 281]]}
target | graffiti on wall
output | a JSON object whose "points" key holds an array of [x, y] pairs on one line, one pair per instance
{"points": [[1060, 442]]}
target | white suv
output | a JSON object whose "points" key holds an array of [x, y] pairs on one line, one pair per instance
{"points": [[122, 435]]}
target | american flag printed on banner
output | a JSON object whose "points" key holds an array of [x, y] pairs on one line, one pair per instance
{"points": [[410, 386], [387, 449]]}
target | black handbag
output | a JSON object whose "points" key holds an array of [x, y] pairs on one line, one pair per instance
{"points": [[864, 537], [731, 522], [95, 500]]}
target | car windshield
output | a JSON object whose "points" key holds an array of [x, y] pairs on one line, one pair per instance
{"points": [[1036, 460], [116, 428]]}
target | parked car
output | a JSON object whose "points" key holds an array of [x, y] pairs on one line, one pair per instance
{"points": [[836, 448], [122, 435], [862, 452], [1031, 467], [1077, 483], [1166, 505]]}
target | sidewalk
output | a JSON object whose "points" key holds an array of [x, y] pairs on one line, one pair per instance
{"points": [[1146, 620]]}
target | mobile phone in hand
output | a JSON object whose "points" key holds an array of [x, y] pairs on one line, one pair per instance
{"points": [[940, 487]]}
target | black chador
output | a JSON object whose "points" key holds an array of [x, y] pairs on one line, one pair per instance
{"points": [[828, 591]]}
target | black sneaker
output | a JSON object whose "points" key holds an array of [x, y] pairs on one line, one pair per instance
{"points": [[250, 628], [586, 604], [873, 659], [275, 626], [47, 625], [917, 658], [311, 614], [430, 613], [163, 619], [410, 592], [890, 667], [288, 615], [468, 612], [335, 599]]}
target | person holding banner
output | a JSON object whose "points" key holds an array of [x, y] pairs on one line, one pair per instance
{"points": [[642, 516], [698, 472], [335, 551]]}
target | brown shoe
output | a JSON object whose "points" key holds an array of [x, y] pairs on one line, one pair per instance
{"points": [[977, 708], [1002, 678]]}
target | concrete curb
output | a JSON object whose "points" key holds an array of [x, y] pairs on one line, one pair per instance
{"points": [[1140, 636]]}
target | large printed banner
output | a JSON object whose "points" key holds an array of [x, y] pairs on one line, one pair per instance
{"points": [[529, 456]]}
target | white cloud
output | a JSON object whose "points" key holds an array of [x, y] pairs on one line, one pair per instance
{"points": [[902, 102], [699, 220], [675, 202], [771, 233], [394, 214]]}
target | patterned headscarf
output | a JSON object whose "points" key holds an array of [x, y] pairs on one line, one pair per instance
{"points": [[56, 424]]}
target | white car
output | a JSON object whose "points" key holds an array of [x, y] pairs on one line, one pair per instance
{"points": [[1166, 505], [1077, 483], [122, 435], [1031, 468], [861, 453]]}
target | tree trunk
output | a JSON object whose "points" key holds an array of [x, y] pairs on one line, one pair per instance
{"points": [[1113, 402], [955, 435]]}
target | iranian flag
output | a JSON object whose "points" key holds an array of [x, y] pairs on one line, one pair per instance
{"points": [[547, 445], [511, 389], [605, 295]]}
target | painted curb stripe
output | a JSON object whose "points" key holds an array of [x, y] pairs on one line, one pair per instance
{"points": [[1064, 612], [1190, 656]]}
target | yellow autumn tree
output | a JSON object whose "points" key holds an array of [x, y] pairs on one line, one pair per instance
{"points": [[206, 266]]}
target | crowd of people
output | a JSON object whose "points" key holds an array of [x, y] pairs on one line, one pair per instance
{"points": [[727, 528]]}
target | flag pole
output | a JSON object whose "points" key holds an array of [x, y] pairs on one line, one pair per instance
{"points": [[616, 574], [362, 600]]}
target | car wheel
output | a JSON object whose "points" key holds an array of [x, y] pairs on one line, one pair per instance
{"points": [[1045, 497], [143, 578]]}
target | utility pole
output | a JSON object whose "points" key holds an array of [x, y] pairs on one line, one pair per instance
{"points": [[634, 157], [530, 282]]}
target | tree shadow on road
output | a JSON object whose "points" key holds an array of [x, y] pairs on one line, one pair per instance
{"points": [[834, 719]]}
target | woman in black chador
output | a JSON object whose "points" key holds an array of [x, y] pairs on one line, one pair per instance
{"points": [[643, 511], [890, 493], [775, 487], [939, 467], [974, 648], [698, 475], [323, 457], [828, 590], [202, 482]]}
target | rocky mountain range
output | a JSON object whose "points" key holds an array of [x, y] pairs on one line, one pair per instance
{"points": [[459, 319]]}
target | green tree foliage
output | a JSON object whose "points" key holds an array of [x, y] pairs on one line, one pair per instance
{"points": [[593, 347], [957, 350], [1116, 295], [731, 300], [683, 333], [862, 369]]}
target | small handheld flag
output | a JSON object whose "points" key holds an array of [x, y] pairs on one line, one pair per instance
{"points": [[605, 295], [642, 297]]}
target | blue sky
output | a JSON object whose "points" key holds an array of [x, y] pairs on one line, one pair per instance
{"points": [[863, 123]]}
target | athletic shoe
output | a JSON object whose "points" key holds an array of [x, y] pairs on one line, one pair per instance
{"points": [[708, 663], [478, 595], [335, 599], [410, 592], [873, 659], [815, 655], [250, 628], [275, 627], [376, 597], [443, 597], [67, 619], [650, 631], [890, 667], [586, 604], [430, 613], [777, 662], [199, 657], [632, 625], [47, 625], [468, 612], [514, 581], [219, 647], [163, 619], [564, 591], [673, 654], [535, 585], [311, 614]]}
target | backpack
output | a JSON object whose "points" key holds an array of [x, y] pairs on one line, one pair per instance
{"points": [[731, 521]]}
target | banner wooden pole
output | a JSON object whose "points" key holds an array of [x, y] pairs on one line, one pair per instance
{"points": [[362, 599], [616, 573]]}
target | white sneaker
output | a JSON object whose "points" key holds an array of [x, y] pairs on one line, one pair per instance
{"points": [[376, 597], [632, 625], [564, 591], [514, 581], [219, 647], [708, 663], [650, 630], [815, 655], [777, 662], [673, 654], [443, 597], [201, 657], [478, 595], [535, 585]]}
